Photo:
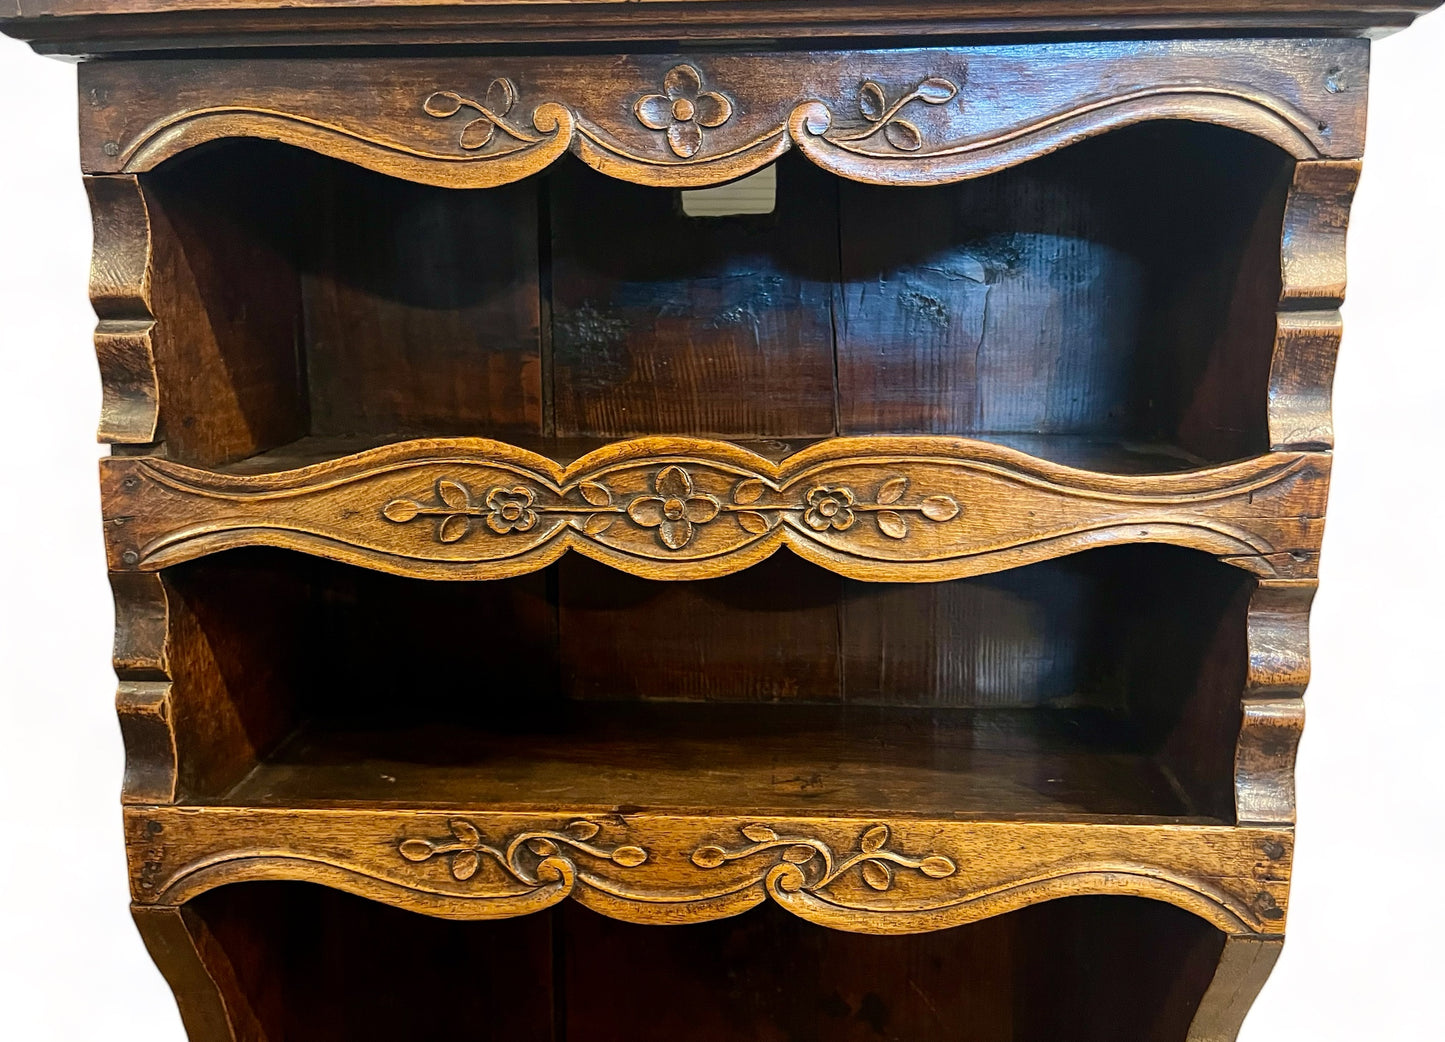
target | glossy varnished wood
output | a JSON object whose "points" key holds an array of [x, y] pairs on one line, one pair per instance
{"points": [[1045, 439]]}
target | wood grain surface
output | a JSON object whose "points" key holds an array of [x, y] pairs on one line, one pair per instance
{"points": [[894, 508], [924, 116]]}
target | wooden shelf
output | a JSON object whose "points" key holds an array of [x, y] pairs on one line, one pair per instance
{"points": [[1089, 452], [734, 760]]}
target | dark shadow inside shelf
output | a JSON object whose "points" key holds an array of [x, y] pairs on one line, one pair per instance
{"points": [[1120, 292], [1106, 684], [301, 962]]}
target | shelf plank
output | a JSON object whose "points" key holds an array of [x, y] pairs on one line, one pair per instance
{"points": [[716, 759], [864, 874]]}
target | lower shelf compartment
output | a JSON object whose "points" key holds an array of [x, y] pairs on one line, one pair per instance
{"points": [[288, 961]]}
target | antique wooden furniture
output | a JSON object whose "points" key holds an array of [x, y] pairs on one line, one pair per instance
{"points": [[944, 537]]}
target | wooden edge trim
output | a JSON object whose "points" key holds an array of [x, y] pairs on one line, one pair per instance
{"points": [[211, 1003], [143, 700], [810, 126], [1309, 328], [120, 292], [1244, 966], [1273, 706], [910, 509], [924, 875]]}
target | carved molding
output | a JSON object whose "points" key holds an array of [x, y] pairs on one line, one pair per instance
{"points": [[120, 293], [870, 508], [1278, 645], [859, 875], [918, 117]]}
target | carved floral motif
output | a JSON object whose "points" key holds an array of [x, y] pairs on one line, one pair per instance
{"points": [[504, 509], [524, 856], [675, 509], [501, 98], [808, 864], [885, 119], [683, 110]]}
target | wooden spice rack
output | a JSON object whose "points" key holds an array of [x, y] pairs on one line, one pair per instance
{"points": [[929, 558]]}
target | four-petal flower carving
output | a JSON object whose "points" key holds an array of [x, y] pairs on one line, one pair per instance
{"points": [[683, 110], [830, 508], [510, 510], [675, 509]]}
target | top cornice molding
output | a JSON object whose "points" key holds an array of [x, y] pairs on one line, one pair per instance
{"points": [[95, 27]]}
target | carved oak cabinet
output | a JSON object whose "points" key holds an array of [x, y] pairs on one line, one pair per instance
{"points": [[553, 605]]}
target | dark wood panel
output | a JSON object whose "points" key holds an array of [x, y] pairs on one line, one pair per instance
{"points": [[316, 965], [769, 634], [226, 300], [422, 308], [669, 324]]}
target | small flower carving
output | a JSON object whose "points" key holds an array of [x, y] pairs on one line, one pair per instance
{"points": [[676, 508], [683, 110], [510, 510], [830, 508]]}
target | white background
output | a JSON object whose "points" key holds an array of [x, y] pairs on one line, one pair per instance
{"points": [[1365, 960]]}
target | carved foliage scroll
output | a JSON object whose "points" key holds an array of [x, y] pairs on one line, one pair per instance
{"points": [[887, 507], [863, 875]]}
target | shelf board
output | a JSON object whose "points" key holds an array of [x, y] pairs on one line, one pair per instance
{"points": [[713, 759], [1098, 453]]}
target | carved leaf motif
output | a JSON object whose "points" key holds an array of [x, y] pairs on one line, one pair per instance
{"points": [[936, 90], [753, 522], [871, 102], [892, 490], [453, 528], [465, 831], [596, 494], [501, 96], [937, 866], [477, 134], [800, 854], [872, 840], [401, 510], [416, 850], [903, 135], [542, 847], [465, 864], [629, 857], [708, 857], [877, 875], [442, 104], [598, 523], [582, 829], [940, 508], [760, 834], [453, 495], [749, 490], [891, 524]]}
